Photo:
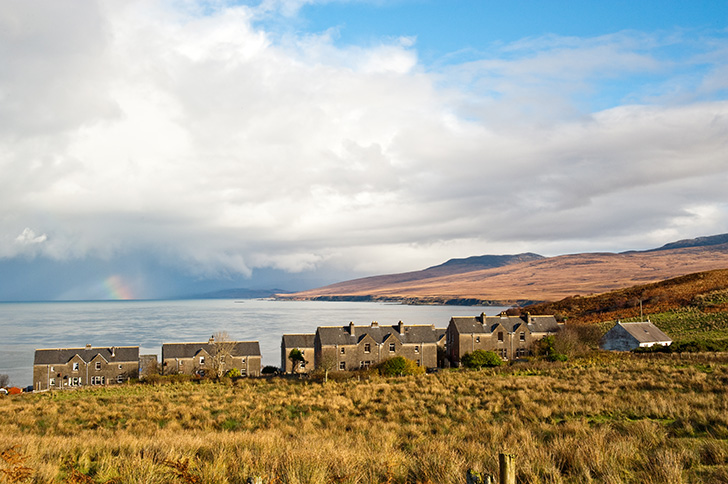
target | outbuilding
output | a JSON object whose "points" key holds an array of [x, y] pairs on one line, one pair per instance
{"points": [[628, 336]]}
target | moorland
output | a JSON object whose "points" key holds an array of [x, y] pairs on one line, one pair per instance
{"points": [[617, 418]]}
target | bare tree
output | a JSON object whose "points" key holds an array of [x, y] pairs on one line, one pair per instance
{"points": [[4, 380], [221, 351]]}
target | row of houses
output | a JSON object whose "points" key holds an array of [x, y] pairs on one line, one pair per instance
{"points": [[63, 368], [353, 347], [334, 348]]}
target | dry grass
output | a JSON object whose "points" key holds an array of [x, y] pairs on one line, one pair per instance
{"points": [[602, 418]]}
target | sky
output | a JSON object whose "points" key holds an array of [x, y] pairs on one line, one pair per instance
{"points": [[159, 148]]}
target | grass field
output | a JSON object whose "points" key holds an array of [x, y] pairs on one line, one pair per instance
{"points": [[597, 418]]}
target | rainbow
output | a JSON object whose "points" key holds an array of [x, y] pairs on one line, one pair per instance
{"points": [[117, 288]]}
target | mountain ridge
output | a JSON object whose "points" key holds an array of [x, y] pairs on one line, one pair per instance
{"points": [[528, 278]]}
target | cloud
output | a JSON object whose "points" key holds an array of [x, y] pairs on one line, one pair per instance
{"points": [[28, 237], [189, 132]]}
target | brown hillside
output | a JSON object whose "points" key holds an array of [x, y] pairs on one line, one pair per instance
{"points": [[707, 291], [548, 279]]}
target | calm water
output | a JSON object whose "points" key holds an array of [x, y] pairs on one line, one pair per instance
{"points": [[27, 326]]}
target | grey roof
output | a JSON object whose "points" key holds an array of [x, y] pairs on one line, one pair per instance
{"points": [[645, 332], [189, 350], [298, 340], [61, 356], [488, 324], [411, 334]]}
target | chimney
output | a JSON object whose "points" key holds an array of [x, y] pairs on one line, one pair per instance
{"points": [[88, 347], [400, 327], [351, 328], [503, 314], [375, 324], [212, 339], [113, 351]]}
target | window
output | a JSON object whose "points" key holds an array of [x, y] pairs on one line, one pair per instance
{"points": [[98, 365], [75, 366], [477, 339], [367, 347], [120, 367], [520, 352], [364, 364], [418, 363], [98, 380], [417, 349], [503, 353], [343, 350], [391, 347], [242, 360], [120, 379], [342, 365], [500, 336], [53, 368], [523, 336], [52, 382], [202, 360]]}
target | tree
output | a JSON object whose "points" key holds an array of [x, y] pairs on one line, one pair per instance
{"points": [[297, 359], [399, 366], [4, 380], [545, 347], [480, 359], [221, 349]]}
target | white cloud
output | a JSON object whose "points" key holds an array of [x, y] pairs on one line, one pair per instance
{"points": [[202, 140]]}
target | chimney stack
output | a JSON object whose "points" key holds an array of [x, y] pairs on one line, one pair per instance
{"points": [[400, 327], [88, 346], [113, 351], [212, 339], [351, 328], [375, 324]]}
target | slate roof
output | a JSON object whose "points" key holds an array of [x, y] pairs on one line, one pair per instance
{"points": [[645, 332], [411, 334], [298, 340], [189, 350], [488, 324], [61, 356]]}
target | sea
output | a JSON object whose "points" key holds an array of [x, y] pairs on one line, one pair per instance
{"points": [[25, 327]]}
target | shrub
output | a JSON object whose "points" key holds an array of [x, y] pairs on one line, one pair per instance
{"points": [[233, 373], [480, 359], [545, 347], [399, 366], [269, 370]]}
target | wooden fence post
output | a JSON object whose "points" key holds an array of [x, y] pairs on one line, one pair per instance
{"points": [[507, 466]]}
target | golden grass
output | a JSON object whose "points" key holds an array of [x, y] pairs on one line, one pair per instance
{"points": [[601, 418]]}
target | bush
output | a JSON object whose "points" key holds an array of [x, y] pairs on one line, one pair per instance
{"points": [[480, 359], [270, 370], [545, 347], [232, 373], [399, 366]]}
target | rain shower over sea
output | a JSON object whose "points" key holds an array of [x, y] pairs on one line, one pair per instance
{"points": [[25, 327]]}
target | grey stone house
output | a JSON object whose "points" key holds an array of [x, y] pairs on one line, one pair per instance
{"points": [[507, 336], [628, 336], [302, 342], [206, 358], [64, 368], [351, 347]]}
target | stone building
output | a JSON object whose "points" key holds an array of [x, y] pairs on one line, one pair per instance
{"points": [[208, 358], [353, 347], [64, 368], [508, 336], [302, 342], [628, 336]]}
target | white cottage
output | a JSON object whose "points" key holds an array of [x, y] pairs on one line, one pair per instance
{"points": [[628, 336]]}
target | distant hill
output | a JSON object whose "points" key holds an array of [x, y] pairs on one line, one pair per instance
{"points": [[707, 291], [528, 278], [238, 293]]}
